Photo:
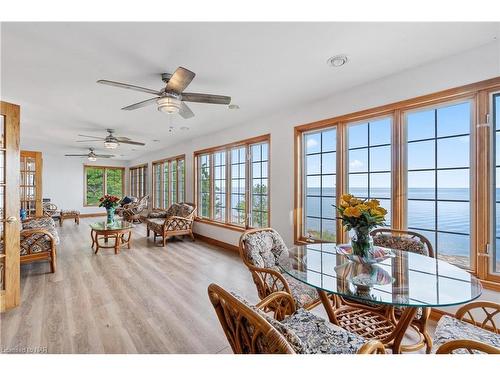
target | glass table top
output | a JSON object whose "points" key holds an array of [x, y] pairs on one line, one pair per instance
{"points": [[116, 225], [406, 279]]}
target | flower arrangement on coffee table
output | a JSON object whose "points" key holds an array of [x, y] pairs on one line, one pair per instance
{"points": [[110, 202], [361, 216]]}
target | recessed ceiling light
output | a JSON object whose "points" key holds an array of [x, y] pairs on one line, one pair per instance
{"points": [[184, 128], [337, 61], [233, 106], [134, 149], [156, 140]]}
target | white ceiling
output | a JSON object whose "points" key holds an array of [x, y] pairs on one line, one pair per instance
{"points": [[51, 70]]}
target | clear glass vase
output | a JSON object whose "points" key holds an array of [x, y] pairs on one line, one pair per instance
{"points": [[361, 243]]}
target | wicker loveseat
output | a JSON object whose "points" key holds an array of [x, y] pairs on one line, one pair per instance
{"points": [[38, 241], [176, 221]]}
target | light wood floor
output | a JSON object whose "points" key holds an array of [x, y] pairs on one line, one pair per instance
{"points": [[147, 299]]}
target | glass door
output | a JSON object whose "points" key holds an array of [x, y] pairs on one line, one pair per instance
{"points": [[9, 206]]}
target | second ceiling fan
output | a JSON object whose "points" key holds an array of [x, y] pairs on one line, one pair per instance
{"points": [[110, 141], [171, 98]]}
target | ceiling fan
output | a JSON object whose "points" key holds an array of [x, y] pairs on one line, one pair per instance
{"points": [[91, 156], [110, 141], [171, 98]]}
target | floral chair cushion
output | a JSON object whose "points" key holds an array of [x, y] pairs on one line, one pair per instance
{"points": [[156, 225], [405, 243], [70, 212], [264, 249], [179, 209], [37, 242], [318, 336], [301, 293], [157, 214], [41, 222], [450, 328]]}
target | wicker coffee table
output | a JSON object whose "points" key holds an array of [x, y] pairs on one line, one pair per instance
{"points": [[119, 230]]}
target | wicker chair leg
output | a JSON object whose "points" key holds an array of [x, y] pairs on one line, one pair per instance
{"points": [[53, 259], [191, 234], [164, 240], [147, 231]]}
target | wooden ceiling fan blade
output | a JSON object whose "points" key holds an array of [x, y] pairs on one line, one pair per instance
{"points": [[81, 155], [103, 156], [127, 86], [205, 98], [122, 139], [133, 143], [144, 103], [185, 111], [181, 78], [91, 140]]}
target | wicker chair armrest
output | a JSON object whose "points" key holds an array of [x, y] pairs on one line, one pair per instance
{"points": [[372, 347], [468, 345], [26, 233], [281, 303], [274, 276], [489, 310]]}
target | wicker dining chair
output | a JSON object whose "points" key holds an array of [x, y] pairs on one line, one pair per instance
{"points": [[471, 330], [261, 250], [249, 330]]}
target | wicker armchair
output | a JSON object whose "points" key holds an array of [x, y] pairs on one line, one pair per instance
{"points": [[471, 330], [132, 211], [38, 241], [250, 330], [260, 250], [176, 221]]}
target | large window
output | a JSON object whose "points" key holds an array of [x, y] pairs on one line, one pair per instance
{"points": [[369, 161], [138, 180], [438, 187], [233, 183], [432, 161], [100, 181], [495, 265], [320, 166], [168, 182]]}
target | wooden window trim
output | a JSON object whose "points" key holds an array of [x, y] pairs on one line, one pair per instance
{"points": [[143, 167], [161, 162], [247, 143], [104, 168], [480, 137]]}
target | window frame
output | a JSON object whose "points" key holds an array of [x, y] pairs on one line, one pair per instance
{"points": [[481, 158], [104, 169], [140, 169], [227, 148], [162, 163]]}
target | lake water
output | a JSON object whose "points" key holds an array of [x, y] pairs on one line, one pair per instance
{"points": [[451, 216]]}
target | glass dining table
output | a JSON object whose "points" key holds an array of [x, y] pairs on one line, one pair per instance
{"points": [[379, 301]]}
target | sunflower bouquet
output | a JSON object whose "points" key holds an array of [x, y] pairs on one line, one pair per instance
{"points": [[360, 216]]}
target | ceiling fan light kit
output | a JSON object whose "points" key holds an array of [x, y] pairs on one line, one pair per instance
{"points": [[110, 144], [92, 158], [169, 104]]}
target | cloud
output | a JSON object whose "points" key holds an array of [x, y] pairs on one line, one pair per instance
{"points": [[311, 142], [355, 164]]}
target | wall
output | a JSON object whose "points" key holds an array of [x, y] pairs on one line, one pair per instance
{"points": [[63, 180], [472, 66]]}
